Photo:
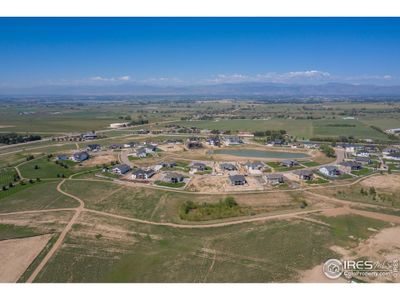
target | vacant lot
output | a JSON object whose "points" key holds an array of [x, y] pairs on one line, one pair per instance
{"points": [[37, 196], [17, 254], [101, 249], [381, 189]]}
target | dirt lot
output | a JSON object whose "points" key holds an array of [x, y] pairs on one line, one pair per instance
{"points": [[171, 147], [208, 183], [220, 183], [386, 182], [384, 246], [315, 275], [100, 159], [17, 254]]}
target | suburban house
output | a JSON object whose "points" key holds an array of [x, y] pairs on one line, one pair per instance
{"points": [[93, 147], [233, 140], [130, 145], [116, 146], [89, 136], [173, 177], [227, 167], [363, 160], [80, 156], [197, 167], [168, 164], [278, 142], [289, 163], [348, 166], [121, 169], [62, 157], [142, 174], [363, 154], [393, 156], [194, 145], [310, 145], [390, 150], [331, 171], [237, 180], [141, 152], [252, 166], [214, 141], [150, 148], [305, 174], [274, 178], [255, 168]]}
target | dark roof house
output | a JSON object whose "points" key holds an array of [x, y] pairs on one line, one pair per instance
{"points": [[80, 156], [227, 167], [237, 180], [121, 169]]}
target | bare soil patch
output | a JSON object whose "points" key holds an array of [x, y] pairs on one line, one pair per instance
{"points": [[386, 182], [99, 160], [17, 254], [316, 275]]}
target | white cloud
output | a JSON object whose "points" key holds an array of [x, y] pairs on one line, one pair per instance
{"points": [[308, 74], [271, 77], [110, 79]]}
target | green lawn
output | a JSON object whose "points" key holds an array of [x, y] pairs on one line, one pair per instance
{"points": [[363, 172], [310, 163], [170, 184], [317, 181]]}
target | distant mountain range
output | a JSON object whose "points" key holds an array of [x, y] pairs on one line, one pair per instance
{"points": [[238, 89]]}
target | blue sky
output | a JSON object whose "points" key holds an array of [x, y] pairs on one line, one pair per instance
{"points": [[80, 51]]}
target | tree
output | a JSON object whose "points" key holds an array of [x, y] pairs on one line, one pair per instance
{"points": [[230, 201], [372, 191], [36, 167], [328, 150]]}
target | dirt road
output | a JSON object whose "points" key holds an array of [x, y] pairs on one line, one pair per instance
{"points": [[61, 238]]}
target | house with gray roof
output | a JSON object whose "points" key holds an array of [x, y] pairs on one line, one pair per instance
{"points": [[173, 177], [227, 167], [237, 180], [80, 156], [257, 165], [348, 166], [289, 163], [331, 171], [198, 167], [274, 178], [304, 174], [142, 174], [121, 169]]}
